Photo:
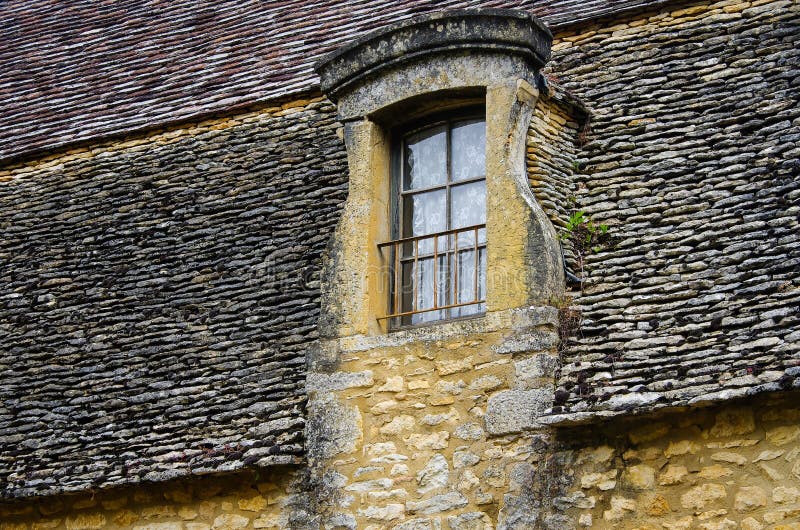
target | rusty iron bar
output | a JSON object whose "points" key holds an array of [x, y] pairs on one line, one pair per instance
{"points": [[440, 308], [435, 234], [477, 263], [399, 287]]}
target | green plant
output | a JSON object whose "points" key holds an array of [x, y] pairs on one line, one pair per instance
{"points": [[586, 235]]}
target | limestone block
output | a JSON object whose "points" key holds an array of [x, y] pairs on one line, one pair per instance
{"points": [[486, 382], [468, 481], [576, 499], [398, 425], [732, 458], [438, 503], [86, 521], [602, 481], [681, 448], [333, 427], [783, 435], [469, 432], [393, 384], [230, 521], [453, 366], [701, 496], [380, 448], [640, 477], [724, 524], [751, 524], [656, 505], [435, 474], [321, 383], [672, 475], [469, 521], [390, 512], [601, 455], [399, 470], [418, 384], [514, 411], [370, 485], [436, 419], [768, 455], [620, 506], [783, 494], [367, 472], [415, 524], [529, 341], [714, 472], [530, 372], [749, 498], [383, 407], [437, 440], [463, 459]]}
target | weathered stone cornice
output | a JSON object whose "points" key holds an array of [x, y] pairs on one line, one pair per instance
{"points": [[503, 31]]}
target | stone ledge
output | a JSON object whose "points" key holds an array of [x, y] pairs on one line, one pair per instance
{"points": [[512, 319], [504, 31], [648, 402]]}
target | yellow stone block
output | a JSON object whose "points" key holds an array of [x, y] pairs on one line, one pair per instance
{"points": [[701, 496]]}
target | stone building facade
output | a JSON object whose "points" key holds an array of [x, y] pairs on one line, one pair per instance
{"points": [[193, 301]]}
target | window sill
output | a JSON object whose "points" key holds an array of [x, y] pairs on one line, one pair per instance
{"points": [[510, 319], [441, 322]]}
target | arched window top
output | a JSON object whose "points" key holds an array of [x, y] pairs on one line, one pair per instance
{"points": [[453, 49]]}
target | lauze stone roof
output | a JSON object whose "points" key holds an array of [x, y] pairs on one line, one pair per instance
{"points": [[157, 302], [692, 158]]}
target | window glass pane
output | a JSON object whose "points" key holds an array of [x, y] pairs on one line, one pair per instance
{"points": [[425, 213], [424, 279], [469, 288], [467, 208], [468, 150], [458, 275], [425, 159]]}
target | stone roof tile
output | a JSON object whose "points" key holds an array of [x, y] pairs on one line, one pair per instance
{"points": [[80, 70]]}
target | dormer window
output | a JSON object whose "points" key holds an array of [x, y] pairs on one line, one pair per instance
{"points": [[438, 259], [440, 221]]}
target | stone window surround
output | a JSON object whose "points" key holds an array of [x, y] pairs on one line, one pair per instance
{"points": [[437, 63]]}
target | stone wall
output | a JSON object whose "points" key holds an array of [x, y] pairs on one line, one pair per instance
{"points": [[426, 428], [440, 427], [728, 467], [268, 500]]}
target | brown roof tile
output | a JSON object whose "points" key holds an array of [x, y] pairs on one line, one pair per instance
{"points": [[79, 70]]}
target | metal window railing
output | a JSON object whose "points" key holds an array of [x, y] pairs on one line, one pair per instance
{"points": [[441, 272]]}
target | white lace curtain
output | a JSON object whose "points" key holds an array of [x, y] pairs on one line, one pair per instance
{"points": [[439, 197]]}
